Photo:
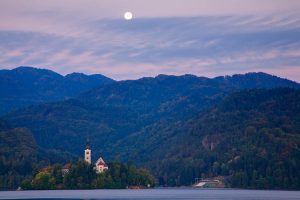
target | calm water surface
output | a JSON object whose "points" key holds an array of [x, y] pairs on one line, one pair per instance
{"points": [[163, 194]]}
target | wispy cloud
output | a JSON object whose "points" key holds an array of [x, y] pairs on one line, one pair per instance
{"points": [[176, 37]]}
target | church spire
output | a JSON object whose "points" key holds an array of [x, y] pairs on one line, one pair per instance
{"points": [[88, 143]]}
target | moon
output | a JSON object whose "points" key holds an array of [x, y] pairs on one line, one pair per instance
{"points": [[128, 16]]}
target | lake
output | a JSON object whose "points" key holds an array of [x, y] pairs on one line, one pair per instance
{"points": [[149, 194]]}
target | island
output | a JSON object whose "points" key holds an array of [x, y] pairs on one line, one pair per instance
{"points": [[85, 175]]}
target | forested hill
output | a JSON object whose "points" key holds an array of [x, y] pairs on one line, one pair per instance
{"points": [[20, 156], [112, 112], [163, 123], [252, 138], [24, 86]]}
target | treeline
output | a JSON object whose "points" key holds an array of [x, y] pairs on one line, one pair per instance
{"points": [[83, 176]]}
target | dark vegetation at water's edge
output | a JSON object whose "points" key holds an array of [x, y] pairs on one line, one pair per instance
{"points": [[20, 156], [23, 163], [83, 176], [244, 128]]}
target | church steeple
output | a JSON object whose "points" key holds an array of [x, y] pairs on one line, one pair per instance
{"points": [[88, 152], [88, 144]]}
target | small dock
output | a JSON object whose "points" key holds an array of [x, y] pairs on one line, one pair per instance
{"points": [[208, 183]]}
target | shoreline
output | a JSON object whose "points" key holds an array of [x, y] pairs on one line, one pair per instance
{"points": [[155, 188]]}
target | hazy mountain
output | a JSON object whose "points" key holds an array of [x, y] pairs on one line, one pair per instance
{"points": [[25, 86]]}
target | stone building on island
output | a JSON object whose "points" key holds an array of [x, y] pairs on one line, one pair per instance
{"points": [[100, 165]]}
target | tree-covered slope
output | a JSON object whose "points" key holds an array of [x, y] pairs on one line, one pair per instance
{"points": [[20, 156], [109, 113], [163, 123], [252, 138], [25, 86]]}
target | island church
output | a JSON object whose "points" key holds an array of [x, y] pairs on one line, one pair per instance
{"points": [[100, 165]]}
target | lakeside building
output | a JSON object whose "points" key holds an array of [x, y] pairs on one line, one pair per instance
{"points": [[100, 165]]}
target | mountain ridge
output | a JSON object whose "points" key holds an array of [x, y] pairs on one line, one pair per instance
{"points": [[25, 86], [113, 111], [155, 121]]}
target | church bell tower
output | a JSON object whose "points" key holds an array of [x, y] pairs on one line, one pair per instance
{"points": [[88, 152]]}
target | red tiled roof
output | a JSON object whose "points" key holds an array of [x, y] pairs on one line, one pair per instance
{"points": [[101, 163], [67, 166]]}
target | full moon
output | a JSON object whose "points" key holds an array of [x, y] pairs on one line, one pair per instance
{"points": [[128, 15]]}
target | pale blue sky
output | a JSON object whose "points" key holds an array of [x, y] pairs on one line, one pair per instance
{"points": [[201, 37]]}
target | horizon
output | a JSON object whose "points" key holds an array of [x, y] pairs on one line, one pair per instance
{"points": [[177, 75], [205, 38]]}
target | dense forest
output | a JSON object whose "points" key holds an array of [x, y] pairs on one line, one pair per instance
{"points": [[116, 111], [81, 175], [23, 163], [20, 156], [243, 128], [252, 138]]}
